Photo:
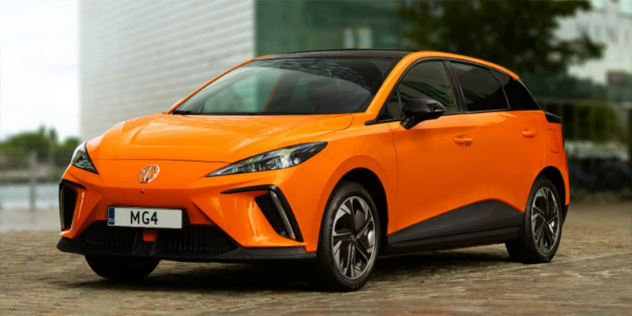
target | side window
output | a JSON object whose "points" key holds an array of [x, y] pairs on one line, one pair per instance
{"points": [[481, 90], [428, 80], [519, 97]]}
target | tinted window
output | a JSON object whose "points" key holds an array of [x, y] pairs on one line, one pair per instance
{"points": [[293, 86], [480, 89], [519, 97], [427, 80]]}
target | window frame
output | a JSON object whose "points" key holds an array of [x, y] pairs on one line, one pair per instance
{"points": [[491, 72], [457, 102], [457, 91], [495, 72]]}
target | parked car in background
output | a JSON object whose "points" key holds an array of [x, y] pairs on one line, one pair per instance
{"points": [[336, 157]]}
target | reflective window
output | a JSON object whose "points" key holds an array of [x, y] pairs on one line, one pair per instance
{"points": [[625, 6], [481, 90], [427, 80], [519, 97]]}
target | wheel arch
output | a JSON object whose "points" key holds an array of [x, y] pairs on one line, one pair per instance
{"points": [[373, 184], [554, 174]]}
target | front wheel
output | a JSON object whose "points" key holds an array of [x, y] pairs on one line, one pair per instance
{"points": [[541, 231], [116, 268], [349, 238]]}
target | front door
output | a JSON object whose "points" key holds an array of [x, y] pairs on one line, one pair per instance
{"points": [[436, 158]]}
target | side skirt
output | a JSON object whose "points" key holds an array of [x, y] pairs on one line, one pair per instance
{"points": [[480, 223]]}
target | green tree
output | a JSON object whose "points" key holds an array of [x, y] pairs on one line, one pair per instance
{"points": [[517, 35], [16, 149], [63, 151]]}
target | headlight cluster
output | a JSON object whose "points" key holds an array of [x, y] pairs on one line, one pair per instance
{"points": [[80, 159], [272, 160]]}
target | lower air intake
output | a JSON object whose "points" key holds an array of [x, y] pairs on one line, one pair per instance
{"points": [[196, 239]]}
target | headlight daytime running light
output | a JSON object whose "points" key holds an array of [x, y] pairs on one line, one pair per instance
{"points": [[276, 159], [81, 159]]}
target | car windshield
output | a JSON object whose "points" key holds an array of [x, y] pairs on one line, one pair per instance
{"points": [[293, 86]]}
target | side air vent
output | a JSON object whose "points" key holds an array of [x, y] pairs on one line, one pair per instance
{"points": [[278, 213], [67, 202]]}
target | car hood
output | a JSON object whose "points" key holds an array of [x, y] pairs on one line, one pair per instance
{"points": [[210, 138]]}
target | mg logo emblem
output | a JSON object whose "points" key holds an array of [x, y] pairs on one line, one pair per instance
{"points": [[148, 174]]}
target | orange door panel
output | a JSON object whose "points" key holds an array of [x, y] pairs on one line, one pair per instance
{"points": [[436, 168], [512, 150]]}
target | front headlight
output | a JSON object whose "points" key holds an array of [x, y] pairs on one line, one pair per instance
{"points": [[275, 159], [80, 159]]}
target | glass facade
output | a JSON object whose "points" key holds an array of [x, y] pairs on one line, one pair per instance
{"points": [[594, 99], [290, 26]]}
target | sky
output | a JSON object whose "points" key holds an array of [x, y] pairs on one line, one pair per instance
{"points": [[39, 77]]}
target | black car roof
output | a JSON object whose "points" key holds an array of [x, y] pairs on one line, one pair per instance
{"points": [[375, 53]]}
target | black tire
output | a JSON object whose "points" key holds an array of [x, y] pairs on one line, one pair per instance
{"points": [[539, 245], [116, 268], [330, 264]]}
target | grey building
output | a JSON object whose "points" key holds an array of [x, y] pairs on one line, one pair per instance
{"points": [[140, 57]]}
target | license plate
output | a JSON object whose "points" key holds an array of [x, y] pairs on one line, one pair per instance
{"points": [[144, 217]]}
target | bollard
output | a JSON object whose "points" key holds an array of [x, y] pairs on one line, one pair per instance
{"points": [[32, 180]]}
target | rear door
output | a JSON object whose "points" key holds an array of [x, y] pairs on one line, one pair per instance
{"points": [[509, 141]]}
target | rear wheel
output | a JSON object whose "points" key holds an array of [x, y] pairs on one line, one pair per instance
{"points": [[349, 239], [116, 268], [542, 228]]}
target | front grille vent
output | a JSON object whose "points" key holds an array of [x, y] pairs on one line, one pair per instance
{"points": [[197, 239], [100, 234]]}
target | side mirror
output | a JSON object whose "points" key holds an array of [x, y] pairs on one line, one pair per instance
{"points": [[420, 109]]}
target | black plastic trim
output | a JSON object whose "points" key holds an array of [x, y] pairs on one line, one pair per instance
{"points": [[149, 250], [552, 118], [72, 184], [456, 241], [284, 202], [455, 86], [478, 223]]}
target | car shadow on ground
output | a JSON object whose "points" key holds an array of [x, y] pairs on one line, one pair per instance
{"points": [[293, 276]]}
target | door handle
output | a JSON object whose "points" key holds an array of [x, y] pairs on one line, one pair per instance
{"points": [[463, 140], [529, 133]]}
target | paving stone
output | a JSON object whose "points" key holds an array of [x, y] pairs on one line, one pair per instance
{"points": [[591, 275]]}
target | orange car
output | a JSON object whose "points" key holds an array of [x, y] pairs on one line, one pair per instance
{"points": [[332, 156]]}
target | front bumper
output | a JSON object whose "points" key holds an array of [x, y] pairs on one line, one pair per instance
{"points": [[193, 243], [244, 207]]}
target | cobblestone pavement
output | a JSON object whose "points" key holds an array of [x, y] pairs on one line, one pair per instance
{"points": [[591, 275]]}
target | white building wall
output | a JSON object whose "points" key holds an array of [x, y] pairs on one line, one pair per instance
{"points": [[140, 57]]}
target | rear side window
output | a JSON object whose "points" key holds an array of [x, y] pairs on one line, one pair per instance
{"points": [[481, 90], [519, 97], [428, 80]]}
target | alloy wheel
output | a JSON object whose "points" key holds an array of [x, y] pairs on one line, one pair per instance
{"points": [[545, 220], [353, 237]]}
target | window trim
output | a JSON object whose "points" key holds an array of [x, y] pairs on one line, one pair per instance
{"points": [[502, 88], [494, 71], [458, 110], [461, 104], [456, 86], [490, 70]]}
